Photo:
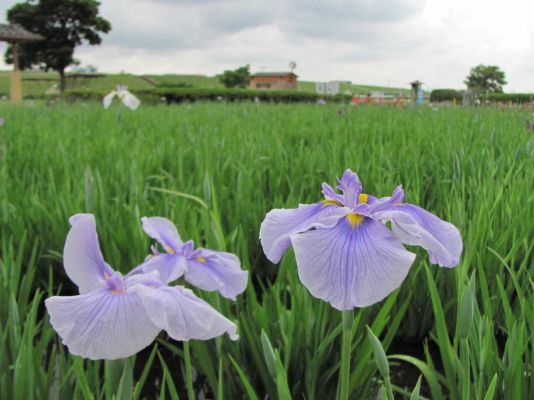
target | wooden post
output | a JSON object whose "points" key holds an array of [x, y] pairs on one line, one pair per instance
{"points": [[15, 78]]}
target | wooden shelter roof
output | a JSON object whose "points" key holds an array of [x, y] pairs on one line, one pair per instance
{"points": [[14, 33]]}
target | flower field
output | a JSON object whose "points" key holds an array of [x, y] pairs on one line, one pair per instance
{"points": [[215, 171]]}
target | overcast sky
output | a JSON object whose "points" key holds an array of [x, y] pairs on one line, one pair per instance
{"points": [[390, 42]]}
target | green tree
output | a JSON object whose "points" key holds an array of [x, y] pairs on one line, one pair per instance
{"points": [[237, 78], [484, 79], [64, 24]]}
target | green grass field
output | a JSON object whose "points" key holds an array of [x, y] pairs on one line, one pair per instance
{"points": [[215, 170]]}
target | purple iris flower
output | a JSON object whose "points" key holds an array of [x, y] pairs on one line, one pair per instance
{"points": [[345, 253], [116, 316], [206, 269]]}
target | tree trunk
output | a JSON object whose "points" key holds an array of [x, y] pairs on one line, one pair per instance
{"points": [[62, 80]]}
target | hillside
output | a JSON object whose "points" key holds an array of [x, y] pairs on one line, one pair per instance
{"points": [[36, 83]]}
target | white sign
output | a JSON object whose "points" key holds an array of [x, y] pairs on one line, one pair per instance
{"points": [[332, 88], [319, 87]]}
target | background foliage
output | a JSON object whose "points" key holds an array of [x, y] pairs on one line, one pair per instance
{"points": [[216, 169]]}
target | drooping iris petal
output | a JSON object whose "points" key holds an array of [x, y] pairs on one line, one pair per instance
{"points": [[130, 101], [82, 258], [416, 226], [386, 203], [215, 270], [169, 266], [101, 324], [330, 194], [108, 99], [351, 187], [164, 231], [280, 223], [183, 315], [351, 266]]}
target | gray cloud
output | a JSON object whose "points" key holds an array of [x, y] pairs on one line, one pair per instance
{"points": [[367, 41]]}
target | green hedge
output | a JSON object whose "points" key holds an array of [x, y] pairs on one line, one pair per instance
{"points": [[439, 95], [507, 97], [172, 94], [289, 96], [72, 95]]}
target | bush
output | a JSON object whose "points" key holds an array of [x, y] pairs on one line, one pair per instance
{"points": [[238, 78], [174, 85], [439, 95], [231, 95], [507, 97], [173, 94], [73, 95]]}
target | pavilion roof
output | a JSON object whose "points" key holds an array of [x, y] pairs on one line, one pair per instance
{"points": [[14, 33]]}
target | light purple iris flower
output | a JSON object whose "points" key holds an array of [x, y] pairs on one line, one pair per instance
{"points": [[345, 254], [206, 269], [116, 316], [128, 99]]}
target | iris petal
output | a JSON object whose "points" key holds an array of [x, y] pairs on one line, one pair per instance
{"points": [[280, 223], [130, 101], [82, 258], [416, 226], [108, 98], [183, 315], [215, 270], [330, 194], [351, 267], [101, 324], [169, 266], [164, 231], [351, 187]]}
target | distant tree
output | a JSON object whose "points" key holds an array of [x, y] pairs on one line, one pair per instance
{"points": [[484, 79], [64, 24], [237, 78]]}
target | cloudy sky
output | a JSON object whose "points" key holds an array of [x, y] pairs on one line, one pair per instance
{"points": [[389, 42]]}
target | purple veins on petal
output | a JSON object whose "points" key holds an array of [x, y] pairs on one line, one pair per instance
{"points": [[82, 258], [102, 324], [416, 226], [280, 223], [354, 264], [351, 187], [183, 315], [216, 270]]}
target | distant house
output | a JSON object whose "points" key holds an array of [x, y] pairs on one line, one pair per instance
{"points": [[273, 81]]}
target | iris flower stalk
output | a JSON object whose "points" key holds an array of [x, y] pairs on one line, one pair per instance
{"points": [[115, 316], [345, 253]]}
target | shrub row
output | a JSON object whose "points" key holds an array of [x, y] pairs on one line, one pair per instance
{"points": [[439, 95], [72, 95], [196, 94], [507, 97]]}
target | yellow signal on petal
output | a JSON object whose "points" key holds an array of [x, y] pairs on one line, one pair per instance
{"points": [[106, 276], [355, 219], [169, 249], [363, 198], [331, 203], [200, 259], [116, 291]]}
